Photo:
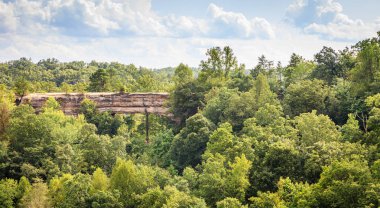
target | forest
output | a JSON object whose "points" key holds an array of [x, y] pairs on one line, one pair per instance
{"points": [[305, 134]]}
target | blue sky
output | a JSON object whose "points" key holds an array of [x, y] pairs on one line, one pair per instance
{"points": [[160, 33]]}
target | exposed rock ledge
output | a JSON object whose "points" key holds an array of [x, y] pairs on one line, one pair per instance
{"points": [[129, 103]]}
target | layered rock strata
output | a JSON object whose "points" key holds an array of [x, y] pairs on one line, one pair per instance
{"points": [[129, 103]]}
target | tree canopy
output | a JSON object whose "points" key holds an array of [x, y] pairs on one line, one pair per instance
{"points": [[305, 134]]}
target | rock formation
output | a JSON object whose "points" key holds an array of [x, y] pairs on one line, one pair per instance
{"points": [[129, 103]]}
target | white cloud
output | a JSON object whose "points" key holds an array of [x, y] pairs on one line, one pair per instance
{"points": [[97, 16], [237, 25], [313, 8], [378, 21], [327, 6], [296, 6], [326, 18], [79, 17], [8, 20], [111, 18], [184, 26], [106, 16]]}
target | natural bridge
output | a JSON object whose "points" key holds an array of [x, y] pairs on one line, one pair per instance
{"points": [[128, 103]]}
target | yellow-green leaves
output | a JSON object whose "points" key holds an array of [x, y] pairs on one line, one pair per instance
{"points": [[313, 128]]}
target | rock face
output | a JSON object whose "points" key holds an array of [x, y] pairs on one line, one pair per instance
{"points": [[129, 103]]}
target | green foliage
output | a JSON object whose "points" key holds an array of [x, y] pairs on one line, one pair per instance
{"points": [[230, 105], [263, 92], [189, 145], [328, 66], [343, 184], [265, 126], [217, 103], [66, 87], [365, 74], [70, 191], [8, 192], [270, 148], [313, 128], [296, 194], [25, 76], [88, 109], [223, 142], [375, 169], [263, 66], [229, 203], [325, 153], [100, 195], [305, 96], [212, 179], [237, 181], [240, 80], [37, 197], [373, 123], [219, 64], [272, 161], [268, 114], [34, 149], [147, 83], [130, 180], [100, 181], [160, 147], [220, 179], [351, 130], [182, 75], [342, 101], [264, 200], [23, 187], [6, 106], [297, 70], [102, 151], [105, 122], [155, 198], [169, 197], [99, 81], [179, 199], [22, 87], [50, 144], [104, 199], [186, 99], [51, 105]]}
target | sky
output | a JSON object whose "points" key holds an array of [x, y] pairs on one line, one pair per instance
{"points": [[163, 33]]}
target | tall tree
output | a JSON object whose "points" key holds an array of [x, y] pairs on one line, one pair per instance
{"points": [[186, 99], [99, 81], [6, 106], [219, 64], [295, 59], [328, 67], [298, 69], [188, 146], [264, 66], [365, 76], [182, 74], [240, 80]]}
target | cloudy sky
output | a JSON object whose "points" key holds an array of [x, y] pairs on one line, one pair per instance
{"points": [[161, 33]]}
